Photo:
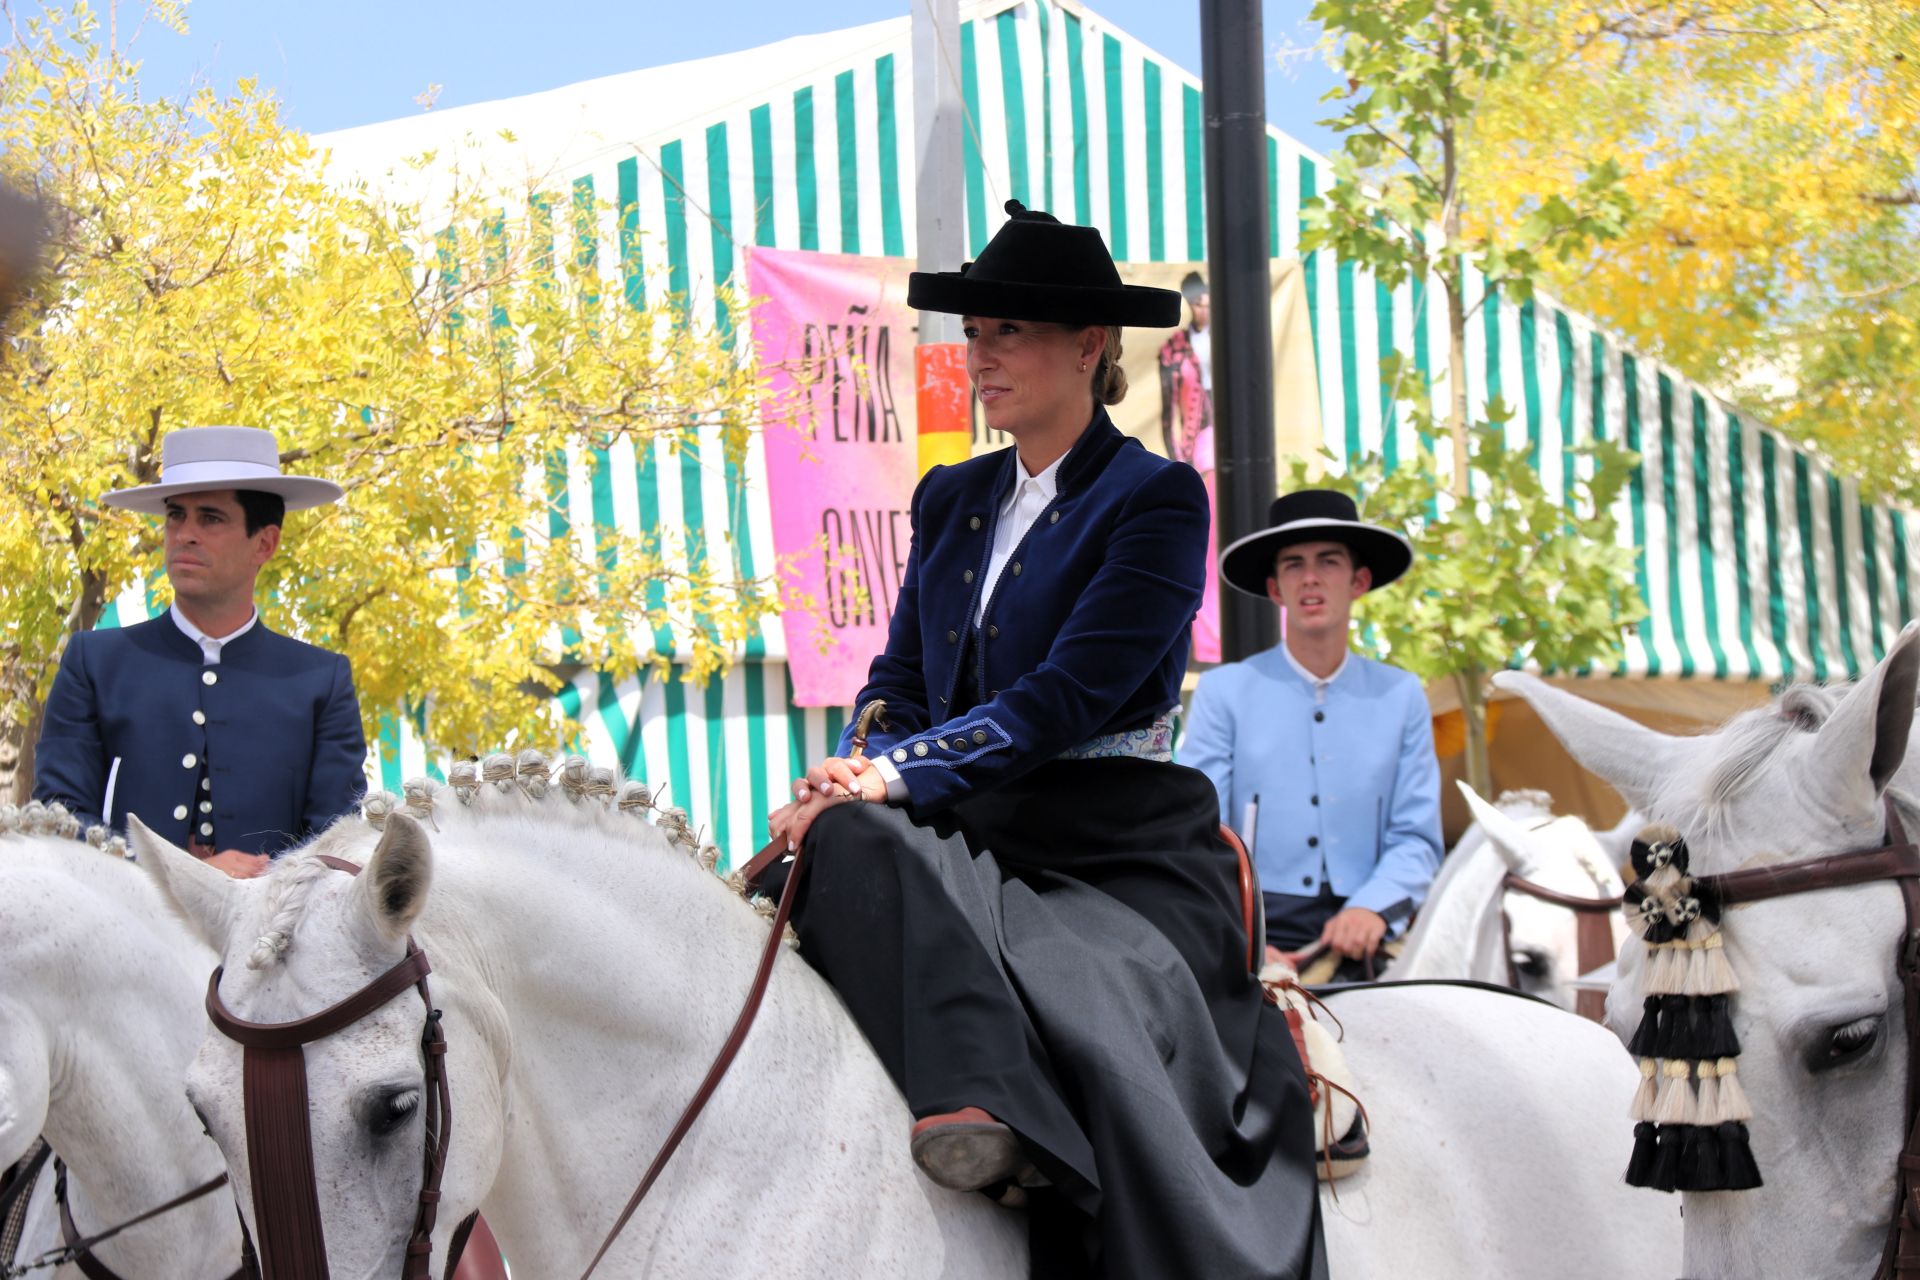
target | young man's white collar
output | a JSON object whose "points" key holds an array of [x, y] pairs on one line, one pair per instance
{"points": [[1317, 683], [210, 646]]}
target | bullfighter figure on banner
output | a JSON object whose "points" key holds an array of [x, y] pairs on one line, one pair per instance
{"points": [[1186, 428]]}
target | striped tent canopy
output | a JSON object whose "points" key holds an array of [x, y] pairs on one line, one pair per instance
{"points": [[1758, 562]]}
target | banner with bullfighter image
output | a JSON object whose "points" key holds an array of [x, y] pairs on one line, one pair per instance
{"points": [[834, 338]]}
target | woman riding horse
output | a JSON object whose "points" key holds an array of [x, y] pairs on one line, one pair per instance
{"points": [[1025, 904]]}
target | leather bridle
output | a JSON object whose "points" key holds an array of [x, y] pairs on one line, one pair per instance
{"points": [[1899, 861], [286, 1203], [280, 1145], [1593, 937]]}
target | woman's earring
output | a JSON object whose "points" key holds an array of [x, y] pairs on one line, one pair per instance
{"points": [[1083, 366]]}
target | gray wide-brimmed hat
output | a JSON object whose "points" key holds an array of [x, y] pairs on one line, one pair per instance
{"points": [[197, 459], [1314, 515]]}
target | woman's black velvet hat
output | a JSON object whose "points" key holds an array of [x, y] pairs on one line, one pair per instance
{"points": [[1037, 267]]}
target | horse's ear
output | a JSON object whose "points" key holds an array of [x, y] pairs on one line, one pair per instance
{"points": [[1856, 752], [394, 886], [203, 896], [1634, 758], [1508, 838]]}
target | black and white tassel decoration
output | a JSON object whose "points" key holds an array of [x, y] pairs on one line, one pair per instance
{"points": [[1689, 1111]]}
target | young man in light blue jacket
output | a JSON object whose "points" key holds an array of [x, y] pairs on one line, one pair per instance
{"points": [[1329, 753]]}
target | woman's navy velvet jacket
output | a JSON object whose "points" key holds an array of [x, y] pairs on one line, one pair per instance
{"points": [[1086, 632]]}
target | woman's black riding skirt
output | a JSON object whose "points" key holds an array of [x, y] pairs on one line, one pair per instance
{"points": [[1067, 953]]}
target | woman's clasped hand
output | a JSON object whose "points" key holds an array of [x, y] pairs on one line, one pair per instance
{"points": [[834, 780]]}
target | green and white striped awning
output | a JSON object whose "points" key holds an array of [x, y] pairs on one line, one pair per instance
{"points": [[1758, 562]]}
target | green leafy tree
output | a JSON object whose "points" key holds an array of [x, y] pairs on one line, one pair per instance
{"points": [[1415, 73], [1517, 575], [1505, 573]]}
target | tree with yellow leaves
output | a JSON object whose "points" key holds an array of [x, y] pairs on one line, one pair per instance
{"points": [[1771, 153], [202, 269]]}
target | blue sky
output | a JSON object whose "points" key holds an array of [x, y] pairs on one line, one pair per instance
{"points": [[355, 62]]}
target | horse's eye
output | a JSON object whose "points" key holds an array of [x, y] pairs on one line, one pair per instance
{"points": [[1846, 1043], [392, 1111], [1530, 964]]}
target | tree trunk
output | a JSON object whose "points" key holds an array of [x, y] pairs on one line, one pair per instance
{"points": [[1473, 711], [1453, 279], [16, 743], [21, 735], [1458, 484]]}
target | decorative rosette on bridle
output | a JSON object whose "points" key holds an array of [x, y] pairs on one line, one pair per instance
{"points": [[1691, 1113]]}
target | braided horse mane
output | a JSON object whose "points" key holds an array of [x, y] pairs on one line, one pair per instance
{"points": [[37, 819], [1533, 809], [567, 790]]}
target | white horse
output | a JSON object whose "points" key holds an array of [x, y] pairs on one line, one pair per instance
{"points": [[588, 977], [1818, 1011], [99, 1016], [1458, 933]]}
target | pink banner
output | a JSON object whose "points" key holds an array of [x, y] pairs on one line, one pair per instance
{"points": [[834, 339]]}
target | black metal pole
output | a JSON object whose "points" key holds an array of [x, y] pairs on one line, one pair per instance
{"points": [[1232, 62]]}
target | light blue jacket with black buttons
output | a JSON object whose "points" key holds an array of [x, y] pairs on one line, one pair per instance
{"points": [[1349, 788]]}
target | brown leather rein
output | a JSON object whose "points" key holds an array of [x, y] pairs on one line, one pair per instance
{"points": [[1899, 861], [776, 849], [286, 1203], [1593, 937], [292, 1246], [743, 1023]]}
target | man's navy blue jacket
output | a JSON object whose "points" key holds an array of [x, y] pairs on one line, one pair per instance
{"points": [[1086, 633], [275, 726]]}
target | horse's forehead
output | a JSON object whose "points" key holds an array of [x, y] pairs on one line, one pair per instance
{"points": [[1805, 939], [326, 958], [1572, 837]]}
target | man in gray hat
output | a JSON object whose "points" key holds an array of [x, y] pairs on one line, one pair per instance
{"points": [[225, 738]]}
